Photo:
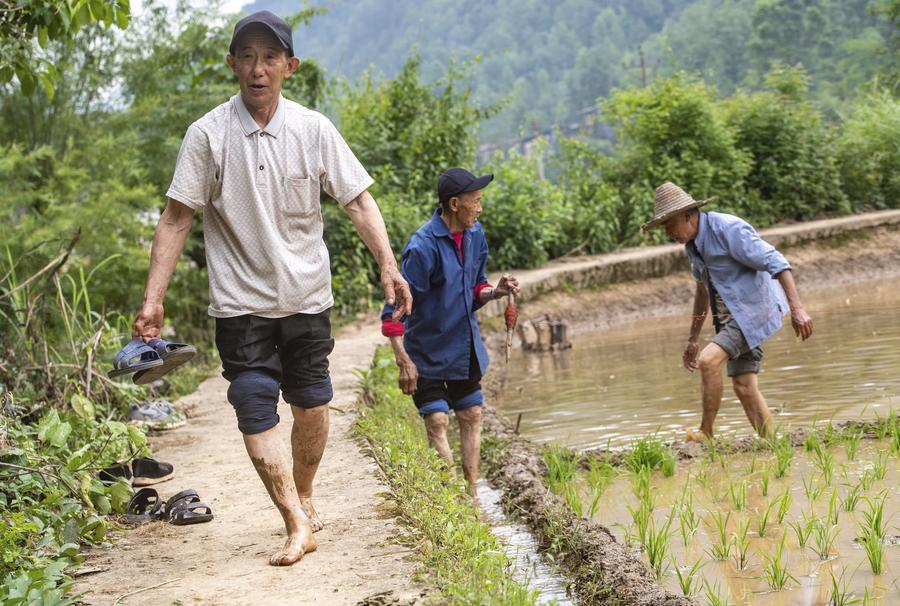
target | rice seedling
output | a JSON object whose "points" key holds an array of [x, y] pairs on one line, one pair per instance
{"points": [[688, 579], [884, 426], [775, 571], [641, 515], [762, 520], [764, 482], [873, 519], [830, 435], [812, 489], [784, 454], [594, 506], [851, 497], [751, 469], [650, 452], [895, 439], [721, 547], [866, 479], [802, 529], [874, 549], [784, 504], [823, 537], [600, 474], [573, 499], [643, 483], [656, 545], [713, 597], [833, 509], [702, 474], [811, 443], [738, 492], [561, 467], [825, 461], [879, 465], [839, 593], [851, 443], [688, 519], [740, 540]]}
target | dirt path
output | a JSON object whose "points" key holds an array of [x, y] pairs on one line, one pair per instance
{"points": [[224, 562]]}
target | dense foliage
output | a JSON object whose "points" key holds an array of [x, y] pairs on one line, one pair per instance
{"points": [[554, 59]]}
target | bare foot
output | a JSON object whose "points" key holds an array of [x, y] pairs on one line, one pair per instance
{"points": [[696, 436], [295, 547], [314, 520]]}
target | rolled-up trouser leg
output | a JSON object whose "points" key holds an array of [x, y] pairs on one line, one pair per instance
{"points": [[254, 396]]}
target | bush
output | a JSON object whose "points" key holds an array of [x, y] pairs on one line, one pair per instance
{"points": [[522, 213], [793, 168], [869, 153]]}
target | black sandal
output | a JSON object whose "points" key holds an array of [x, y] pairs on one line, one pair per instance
{"points": [[186, 508], [145, 506]]}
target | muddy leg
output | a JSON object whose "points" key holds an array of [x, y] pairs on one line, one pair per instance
{"points": [[470, 440], [436, 427], [710, 362], [308, 437], [746, 388], [270, 460]]}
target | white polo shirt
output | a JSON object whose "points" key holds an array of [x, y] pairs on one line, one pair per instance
{"points": [[259, 193]]}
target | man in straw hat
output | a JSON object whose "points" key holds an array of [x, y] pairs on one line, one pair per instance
{"points": [[735, 271]]}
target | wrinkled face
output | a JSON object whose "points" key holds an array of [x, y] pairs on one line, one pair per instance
{"points": [[681, 228], [466, 208], [261, 64]]}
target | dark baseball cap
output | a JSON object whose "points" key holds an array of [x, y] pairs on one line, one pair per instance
{"points": [[276, 25], [455, 181]]}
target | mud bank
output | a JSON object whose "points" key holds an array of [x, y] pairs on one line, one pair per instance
{"points": [[602, 569]]}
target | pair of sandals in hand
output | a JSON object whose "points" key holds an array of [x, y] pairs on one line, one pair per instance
{"points": [[151, 360], [180, 509]]}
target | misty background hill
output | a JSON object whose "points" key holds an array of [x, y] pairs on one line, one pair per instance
{"points": [[551, 61]]}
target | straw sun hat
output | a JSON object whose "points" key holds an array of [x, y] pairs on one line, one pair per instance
{"points": [[668, 201]]}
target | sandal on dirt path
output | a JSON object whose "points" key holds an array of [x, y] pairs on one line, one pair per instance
{"points": [[172, 355], [145, 506], [136, 356], [150, 471], [186, 508]]}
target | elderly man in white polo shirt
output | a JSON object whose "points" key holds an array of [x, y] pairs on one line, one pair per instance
{"points": [[254, 166]]}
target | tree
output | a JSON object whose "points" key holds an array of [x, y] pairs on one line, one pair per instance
{"points": [[28, 27]]}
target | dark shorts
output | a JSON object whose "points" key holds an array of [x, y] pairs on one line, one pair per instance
{"points": [[742, 359], [292, 350], [438, 395]]}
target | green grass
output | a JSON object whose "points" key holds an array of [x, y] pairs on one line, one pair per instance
{"points": [[459, 554], [775, 571], [562, 465]]}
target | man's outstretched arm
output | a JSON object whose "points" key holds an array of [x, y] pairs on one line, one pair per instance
{"points": [[171, 233], [701, 307], [799, 318], [369, 223]]}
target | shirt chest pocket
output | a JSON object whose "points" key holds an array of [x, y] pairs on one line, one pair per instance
{"points": [[300, 197]]}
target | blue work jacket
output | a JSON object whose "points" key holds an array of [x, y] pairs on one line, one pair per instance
{"points": [[442, 330], [742, 267]]}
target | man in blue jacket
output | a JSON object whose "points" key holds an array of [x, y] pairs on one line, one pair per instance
{"points": [[438, 347], [736, 273]]}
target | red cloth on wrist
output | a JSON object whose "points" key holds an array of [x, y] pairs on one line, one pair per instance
{"points": [[390, 328], [479, 288]]}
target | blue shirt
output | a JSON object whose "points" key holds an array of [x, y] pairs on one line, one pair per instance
{"points": [[442, 331], [742, 268]]}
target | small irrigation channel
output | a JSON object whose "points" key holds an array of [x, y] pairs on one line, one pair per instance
{"points": [[529, 568], [634, 515]]}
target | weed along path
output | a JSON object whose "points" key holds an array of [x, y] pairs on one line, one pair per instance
{"points": [[225, 561]]}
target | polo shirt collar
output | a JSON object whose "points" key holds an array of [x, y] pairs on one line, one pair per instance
{"points": [[249, 125]]}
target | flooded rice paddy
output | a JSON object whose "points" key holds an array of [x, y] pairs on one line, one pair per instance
{"points": [[730, 516], [618, 384]]}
